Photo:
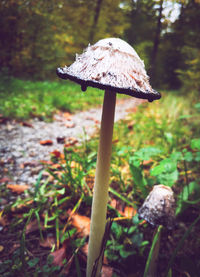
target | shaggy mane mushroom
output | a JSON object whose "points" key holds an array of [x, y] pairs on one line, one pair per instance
{"points": [[112, 65]]}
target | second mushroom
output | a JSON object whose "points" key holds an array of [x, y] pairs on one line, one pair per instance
{"points": [[112, 65]]}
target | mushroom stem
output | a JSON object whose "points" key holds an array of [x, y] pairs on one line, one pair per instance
{"points": [[152, 261], [100, 196]]}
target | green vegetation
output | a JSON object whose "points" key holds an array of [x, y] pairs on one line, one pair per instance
{"points": [[154, 145], [44, 231], [27, 99]]}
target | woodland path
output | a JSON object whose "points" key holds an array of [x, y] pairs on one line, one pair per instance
{"points": [[21, 151]]}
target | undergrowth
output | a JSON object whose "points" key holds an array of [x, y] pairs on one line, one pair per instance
{"points": [[159, 143]]}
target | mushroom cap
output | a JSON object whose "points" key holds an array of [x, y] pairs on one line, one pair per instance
{"points": [[159, 207], [111, 64]]}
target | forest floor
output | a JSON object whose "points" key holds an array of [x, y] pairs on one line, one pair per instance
{"points": [[45, 214]]}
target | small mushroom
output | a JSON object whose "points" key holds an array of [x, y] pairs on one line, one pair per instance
{"points": [[159, 207], [112, 65], [159, 210]]}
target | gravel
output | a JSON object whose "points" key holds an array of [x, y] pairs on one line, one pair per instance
{"points": [[21, 151]]}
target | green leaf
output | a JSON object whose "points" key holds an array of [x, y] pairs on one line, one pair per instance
{"points": [[197, 106], [33, 262], [146, 153], [197, 158], [188, 157], [169, 137], [117, 230], [125, 254], [137, 239], [138, 177], [166, 172], [195, 144]]}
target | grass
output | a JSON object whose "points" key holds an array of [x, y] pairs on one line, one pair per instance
{"points": [[26, 99], [158, 143]]}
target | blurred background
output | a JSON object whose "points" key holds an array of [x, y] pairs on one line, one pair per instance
{"points": [[38, 36]]}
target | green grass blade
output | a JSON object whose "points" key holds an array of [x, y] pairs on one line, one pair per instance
{"points": [[153, 252], [121, 197]]}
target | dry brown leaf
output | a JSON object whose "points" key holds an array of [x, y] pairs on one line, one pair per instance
{"points": [[17, 188], [46, 142], [26, 124], [82, 224], [71, 142], [147, 162], [113, 203], [48, 242], [33, 226], [21, 207], [57, 154], [4, 180], [46, 162], [67, 116], [60, 140], [60, 254], [107, 271], [3, 221], [129, 211], [56, 166]]}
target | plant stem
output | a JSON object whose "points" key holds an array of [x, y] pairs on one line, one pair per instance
{"points": [[100, 196], [151, 264]]}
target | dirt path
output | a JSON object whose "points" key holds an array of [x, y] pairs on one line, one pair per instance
{"points": [[20, 144]]}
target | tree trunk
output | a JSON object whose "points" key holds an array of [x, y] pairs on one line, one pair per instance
{"points": [[156, 41], [95, 21]]}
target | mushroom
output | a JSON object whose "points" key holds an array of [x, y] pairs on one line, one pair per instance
{"points": [[159, 210], [112, 65]]}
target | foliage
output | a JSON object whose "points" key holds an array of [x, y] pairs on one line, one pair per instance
{"points": [[190, 76], [39, 36], [152, 146], [125, 241]]}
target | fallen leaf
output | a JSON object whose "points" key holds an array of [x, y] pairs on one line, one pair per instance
{"points": [[70, 142], [4, 180], [113, 203], [33, 226], [82, 224], [1, 248], [56, 166], [46, 162], [107, 271], [46, 142], [129, 211], [21, 207], [67, 116], [26, 124], [147, 162], [84, 249], [60, 254], [48, 242], [17, 188], [57, 154], [60, 140]]}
